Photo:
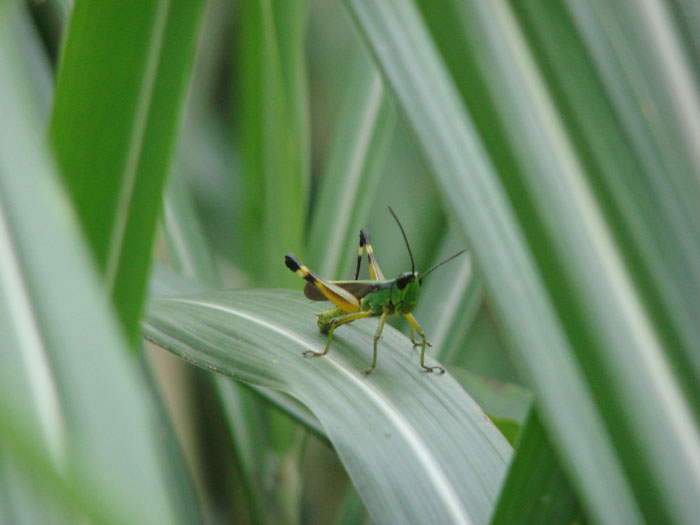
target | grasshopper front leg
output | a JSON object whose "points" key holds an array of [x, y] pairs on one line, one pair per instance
{"points": [[377, 336], [415, 326], [418, 343]]}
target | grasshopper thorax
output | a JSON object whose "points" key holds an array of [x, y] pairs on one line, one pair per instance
{"points": [[405, 292]]}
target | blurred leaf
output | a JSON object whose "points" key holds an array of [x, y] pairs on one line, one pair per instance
{"points": [[36, 59], [184, 501], [188, 248], [485, 351], [26, 500], [508, 427], [658, 239], [353, 169], [507, 404], [505, 400], [244, 415], [687, 13], [121, 86], [416, 446], [273, 134], [77, 419], [536, 490], [61, 498], [566, 300], [450, 300], [353, 512]]}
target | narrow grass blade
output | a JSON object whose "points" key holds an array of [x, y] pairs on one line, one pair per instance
{"points": [[122, 81], [348, 184], [35, 56], [189, 251], [273, 136], [443, 457], [80, 417], [536, 490]]}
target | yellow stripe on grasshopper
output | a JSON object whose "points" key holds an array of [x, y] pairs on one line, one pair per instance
{"points": [[339, 297]]}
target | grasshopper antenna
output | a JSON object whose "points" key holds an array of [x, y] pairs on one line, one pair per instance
{"points": [[410, 253], [443, 262]]}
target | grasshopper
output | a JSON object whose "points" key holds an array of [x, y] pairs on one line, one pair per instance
{"points": [[378, 297]]}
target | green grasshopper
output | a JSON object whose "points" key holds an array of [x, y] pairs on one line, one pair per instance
{"points": [[377, 297]]}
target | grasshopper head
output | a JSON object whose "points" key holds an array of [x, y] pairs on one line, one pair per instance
{"points": [[406, 292]]}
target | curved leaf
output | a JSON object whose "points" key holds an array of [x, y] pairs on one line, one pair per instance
{"points": [[416, 446]]}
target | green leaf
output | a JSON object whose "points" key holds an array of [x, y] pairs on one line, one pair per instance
{"points": [[536, 490], [35, 56], [273, 134], [121, 85], [75, 413], [353, 170], [190, 253], [504, 400], [415, 445], [548, 258], [657, 237]]}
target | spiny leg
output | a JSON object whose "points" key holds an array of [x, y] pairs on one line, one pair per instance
{"points": [[414, 324], [338, 321], [417, 343], [377, 336]]}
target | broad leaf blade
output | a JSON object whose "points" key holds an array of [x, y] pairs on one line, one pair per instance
{"points": [[416, 446]]}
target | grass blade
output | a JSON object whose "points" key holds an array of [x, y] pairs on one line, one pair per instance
{"points": [[122, 81], [80, 417], [347, 189], [273, 135], [469, 183], [536, 490]]}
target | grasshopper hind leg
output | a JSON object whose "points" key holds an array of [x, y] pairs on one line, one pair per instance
{"points": [[377, 336], [328, 321], [418, 343], [415, 326], [325, 318]]}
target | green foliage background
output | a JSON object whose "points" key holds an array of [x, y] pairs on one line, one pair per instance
{"points": [[158, 159]]}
